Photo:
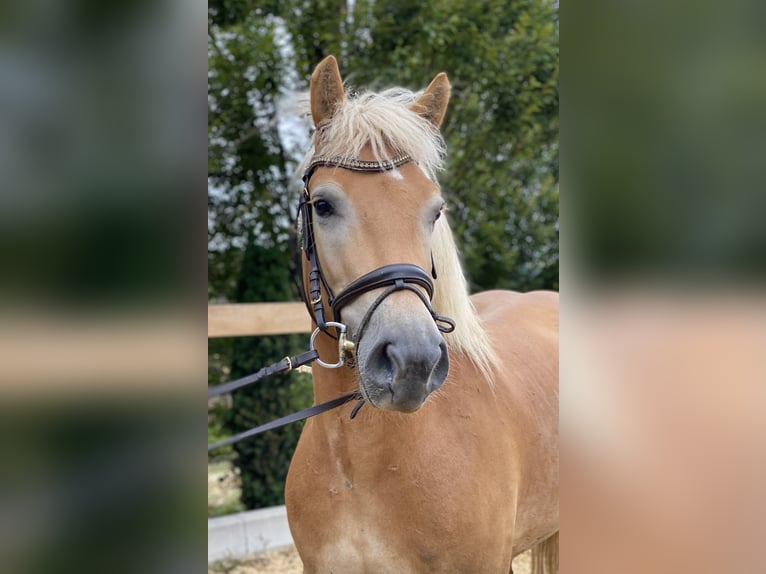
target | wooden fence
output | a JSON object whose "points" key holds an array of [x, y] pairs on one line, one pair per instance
{"points": [[249, 319]]}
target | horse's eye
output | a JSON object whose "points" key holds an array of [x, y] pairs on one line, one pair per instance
{"points": [[323, 208], [438, 213]]}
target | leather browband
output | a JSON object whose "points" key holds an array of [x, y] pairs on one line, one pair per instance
{"points": [[353, 164]]}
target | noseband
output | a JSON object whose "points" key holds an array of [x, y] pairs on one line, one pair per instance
{"points": [[395, 277]]}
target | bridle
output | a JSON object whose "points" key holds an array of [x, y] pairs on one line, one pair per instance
{"points": [[390, 278], [394, 277]]}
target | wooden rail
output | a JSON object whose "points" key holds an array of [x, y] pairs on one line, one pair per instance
{"points": [[248, 319]]}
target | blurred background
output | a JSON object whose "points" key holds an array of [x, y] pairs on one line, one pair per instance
{"points": [[663, 323], [102, 151]]}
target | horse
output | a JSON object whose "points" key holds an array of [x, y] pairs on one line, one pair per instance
{"points": [[451, 462]]}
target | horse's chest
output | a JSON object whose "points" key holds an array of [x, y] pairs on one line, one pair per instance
{"points": [[360, 543], [393, 522], [366, 534], [402, 505]]}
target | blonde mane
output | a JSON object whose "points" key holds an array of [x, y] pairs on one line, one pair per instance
{"points": [[384, 122], [451, 298]]}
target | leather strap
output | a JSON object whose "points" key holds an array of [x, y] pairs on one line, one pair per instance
{"points": [[444, 324], [316, 277], [283, 366], [370, 166], [383, 277], [291, 418]]}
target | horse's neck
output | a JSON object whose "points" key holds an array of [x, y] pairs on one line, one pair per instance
{"points": [[336, 434]]}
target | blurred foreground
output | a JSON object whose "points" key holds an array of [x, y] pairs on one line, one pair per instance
{"points": [[663, 327]]}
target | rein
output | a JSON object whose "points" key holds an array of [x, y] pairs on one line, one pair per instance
{"points": [[292, 418], [395, 277]]}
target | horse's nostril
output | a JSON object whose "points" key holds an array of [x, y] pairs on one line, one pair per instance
{"points": [[387, 361], [407, 361], [393, 357]]}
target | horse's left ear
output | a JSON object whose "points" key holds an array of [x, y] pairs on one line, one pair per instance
{"points": [[432, 104]]}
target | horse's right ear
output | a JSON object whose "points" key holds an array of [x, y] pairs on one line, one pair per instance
{"points": [[326, 90]]}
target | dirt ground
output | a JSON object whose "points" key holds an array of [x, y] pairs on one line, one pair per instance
{"points": [[223, 489], [279, 561], [288, 562]]}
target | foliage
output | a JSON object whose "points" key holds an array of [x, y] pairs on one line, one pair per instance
{"points": [[501, 183]]}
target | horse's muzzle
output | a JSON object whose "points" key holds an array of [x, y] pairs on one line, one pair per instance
{"points": [[398, 373]]}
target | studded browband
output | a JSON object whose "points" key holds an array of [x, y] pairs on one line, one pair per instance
{"points": [[353, 164]]}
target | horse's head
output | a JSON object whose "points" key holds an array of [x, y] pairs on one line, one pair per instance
{"points": [[373, 205]]}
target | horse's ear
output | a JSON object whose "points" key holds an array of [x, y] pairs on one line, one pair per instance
{"points": [[432, 104], [326, 90]]}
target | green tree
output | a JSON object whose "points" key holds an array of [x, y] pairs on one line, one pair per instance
{"points": [[248, 166]]}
